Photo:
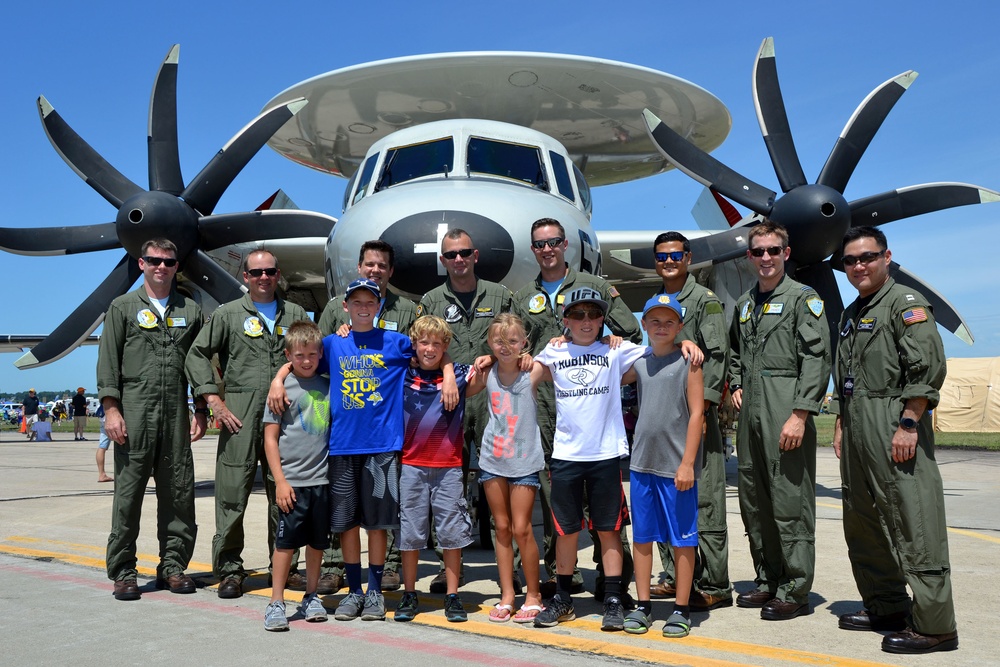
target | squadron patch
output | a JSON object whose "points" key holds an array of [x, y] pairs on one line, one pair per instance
{"points": [[815, 306], [452, 314], [420, 309], [914, 315], [536, 304], [253, 327], [745, 312], [146, 319]]}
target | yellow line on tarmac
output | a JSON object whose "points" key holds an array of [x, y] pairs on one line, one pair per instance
{"points": [[150, 558]]}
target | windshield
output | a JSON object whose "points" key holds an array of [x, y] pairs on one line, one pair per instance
{"points": [[409, 162], [498, 158]]}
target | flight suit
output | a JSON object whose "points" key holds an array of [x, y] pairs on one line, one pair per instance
{"points": [[249, 355], [705, 325], [780, 354], [894, 517], [141, 364], [543, 321], [396, 314]]}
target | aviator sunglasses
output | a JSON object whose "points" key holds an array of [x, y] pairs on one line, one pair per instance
{"points": [[552, 243], [674, 256], [156, 261], [584, 313], [773, 251], [257, 273], [863, 258], [464, 252]]}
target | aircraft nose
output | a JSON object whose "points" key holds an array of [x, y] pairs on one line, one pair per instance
{"points": [[417, 240]]}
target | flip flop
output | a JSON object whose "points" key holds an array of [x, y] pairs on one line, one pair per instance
{"points": [[677, 626], [527, 613], [501, 613]]}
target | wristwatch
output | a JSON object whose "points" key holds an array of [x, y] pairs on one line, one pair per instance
{"points": [[201, 411], [907, 423]]}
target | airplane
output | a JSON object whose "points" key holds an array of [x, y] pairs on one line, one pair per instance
{"points": [[486, 141]]}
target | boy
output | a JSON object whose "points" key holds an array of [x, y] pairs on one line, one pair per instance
{"points": [[431, 479], [296, 446], [367, 368], [41, 430], [588, 445], [665, 462]]}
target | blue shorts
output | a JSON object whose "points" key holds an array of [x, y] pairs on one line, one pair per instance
{"points": [[661, 513], [527, 480]]}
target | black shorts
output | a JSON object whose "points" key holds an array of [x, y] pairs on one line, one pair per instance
{"points": [[601, 481], [364, 491], [308, 524]]}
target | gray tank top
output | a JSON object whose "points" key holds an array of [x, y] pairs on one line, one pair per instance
{"points": [[512, 445], [661, 430]]}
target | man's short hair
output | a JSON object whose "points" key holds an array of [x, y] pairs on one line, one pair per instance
{"points": [[160, 243], [457, 233], [547, 222], [258, 251], [302, 333], [765, 227], [672, 237], [430, 325], [378, 245], [855, 233]]}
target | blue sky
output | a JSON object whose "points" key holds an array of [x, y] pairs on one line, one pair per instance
{"points": [[95, 62]]}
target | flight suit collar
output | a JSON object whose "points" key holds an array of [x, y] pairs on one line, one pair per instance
{"points": [[687, 289], [449, 293], [876, 298], [768, 321], [568, 279]]}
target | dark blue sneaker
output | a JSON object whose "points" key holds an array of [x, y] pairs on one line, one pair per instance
{"points": [[453, 609]]}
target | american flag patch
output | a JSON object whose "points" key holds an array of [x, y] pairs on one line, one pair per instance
{"points": [[914, 315]]}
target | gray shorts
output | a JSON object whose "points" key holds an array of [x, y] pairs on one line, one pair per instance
{"points": [[437, 491]]}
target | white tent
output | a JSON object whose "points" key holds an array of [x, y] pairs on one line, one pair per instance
{"points": [[970, 397]]}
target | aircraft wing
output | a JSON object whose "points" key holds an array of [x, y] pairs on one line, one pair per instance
{"points": [[22, 343]]}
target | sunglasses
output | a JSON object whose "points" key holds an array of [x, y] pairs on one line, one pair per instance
{"points": [[674, 256], [257, 273], [464, 252], [773, 251], [552, 243], [584, 314], [863, 258], [156, 261]]}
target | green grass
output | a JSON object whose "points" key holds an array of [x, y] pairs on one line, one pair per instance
{"points": [[987, 441]]}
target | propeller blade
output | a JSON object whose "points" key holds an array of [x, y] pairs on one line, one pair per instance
{"points": [[705, 169], [916, 200], [82, 321], [944, 313], [860, 130], [84, 160], [820, 277], [204, 192], [720, 247], [773, 120], [164, 158], [59, 240], [226, 229], [206, 274]]}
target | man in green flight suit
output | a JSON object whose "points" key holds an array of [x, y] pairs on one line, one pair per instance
{"points": [[705, 325], [468, 304], [248, 336], [141, 386], [375, 262], [890, 367], [778, 372], [540, 306]]}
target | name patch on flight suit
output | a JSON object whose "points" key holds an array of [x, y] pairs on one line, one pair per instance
{"points": [[745, 313], [772, 308], [452, 314], [484, 312], [536, 304], [279, 330], [560, 299], [253, 327], [176, 322], [146, 319], [867, 323], [388, 326]]}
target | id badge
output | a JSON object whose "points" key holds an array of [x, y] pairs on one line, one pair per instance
{"points": [[848, 388]]}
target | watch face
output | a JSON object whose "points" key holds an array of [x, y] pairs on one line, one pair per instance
{"points": [[906, 422]]}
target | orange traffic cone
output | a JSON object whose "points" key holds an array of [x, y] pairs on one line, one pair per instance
{"points": [[24, 425]]}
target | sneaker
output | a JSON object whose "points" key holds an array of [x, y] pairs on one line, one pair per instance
{"points": [[349, 608], [407, 608], [556, 611], [274, 617], [453, 609], [374, 609], [614, 615], [390, 580], [312, 609]]}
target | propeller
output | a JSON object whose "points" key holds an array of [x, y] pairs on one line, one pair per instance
{"points": [[816, 214], [169, 209]]}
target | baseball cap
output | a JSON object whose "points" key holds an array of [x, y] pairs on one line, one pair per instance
{"points": [[79, 389], [31, 391], [664, 301], [363, 283], [585, 295]]}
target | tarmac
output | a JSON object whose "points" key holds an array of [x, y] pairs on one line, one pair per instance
{"points": [[57, 607]]}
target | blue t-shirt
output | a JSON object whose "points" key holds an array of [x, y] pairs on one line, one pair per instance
{"points": [[366, 390]]}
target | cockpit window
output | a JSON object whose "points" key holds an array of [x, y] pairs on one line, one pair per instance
{"points": [[581, 185], [562, 175], [499, 158], [364, 179], [409, 162]]}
